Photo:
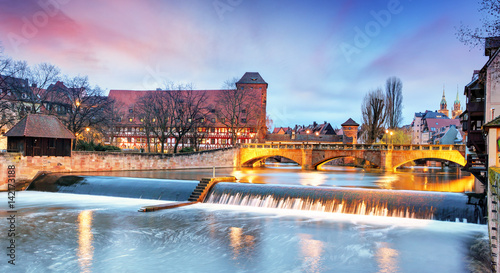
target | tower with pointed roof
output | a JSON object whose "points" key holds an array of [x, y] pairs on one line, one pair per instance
{"points": [[443, 106], [350, 131], [253, 81], [457, 111]]}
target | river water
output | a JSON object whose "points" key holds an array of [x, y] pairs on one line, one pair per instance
{"points": [[59, 232]]}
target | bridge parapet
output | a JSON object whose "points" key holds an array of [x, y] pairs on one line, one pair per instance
{"points": [[335, 146]]}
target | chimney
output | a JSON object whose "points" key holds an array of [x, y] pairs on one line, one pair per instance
{"points": [[33, 85]]}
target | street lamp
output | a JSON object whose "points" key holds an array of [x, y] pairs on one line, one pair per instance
{"points": [[386, 133], [391, 137], [307, 138]]}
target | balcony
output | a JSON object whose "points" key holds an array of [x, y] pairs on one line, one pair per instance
{"points": [[475, 107]]}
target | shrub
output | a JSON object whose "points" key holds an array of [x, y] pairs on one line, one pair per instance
{"points": [[187, 150]]}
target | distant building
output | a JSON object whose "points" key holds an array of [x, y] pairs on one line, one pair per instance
{"points": [[282, 130], [323, 132], [427, 124], [128, 131]]}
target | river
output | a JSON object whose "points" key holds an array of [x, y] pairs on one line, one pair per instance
{"points": [[59, 232]]}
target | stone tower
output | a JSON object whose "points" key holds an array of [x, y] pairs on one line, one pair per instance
{"points": [[456, 107], [443, 107], [253, 83], [350, 129]]}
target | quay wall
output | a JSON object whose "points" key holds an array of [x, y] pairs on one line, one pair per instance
{"points": [[28, 166]]}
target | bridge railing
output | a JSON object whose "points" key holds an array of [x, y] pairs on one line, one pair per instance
{"points": [[334, 146]]}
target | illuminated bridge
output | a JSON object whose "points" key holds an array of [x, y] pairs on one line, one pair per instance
{"points": [[310, 156]]}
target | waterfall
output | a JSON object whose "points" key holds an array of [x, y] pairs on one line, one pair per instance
{"points": [[389, 203]]}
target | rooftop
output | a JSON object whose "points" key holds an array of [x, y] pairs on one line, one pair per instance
{"points": [[38, 125]]}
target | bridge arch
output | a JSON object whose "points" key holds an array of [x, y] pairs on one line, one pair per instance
{"points": [[252, 161], [451, 155], [321, 163]]}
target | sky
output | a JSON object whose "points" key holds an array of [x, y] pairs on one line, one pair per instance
{"points": [[319, 58]]}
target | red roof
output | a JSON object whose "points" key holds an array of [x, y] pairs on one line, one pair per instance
{"points": [[38, 125], [439, 123]]}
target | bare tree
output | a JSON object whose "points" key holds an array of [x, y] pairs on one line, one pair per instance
{"points": [[490, 24], [188, 108], [374, 115], [87, 107], [32, 84], [156, 111], [8, 103], [238, 109], [394, 102], [148, 115]]}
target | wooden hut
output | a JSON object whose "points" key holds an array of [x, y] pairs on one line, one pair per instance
{"points": [[39, 135]]}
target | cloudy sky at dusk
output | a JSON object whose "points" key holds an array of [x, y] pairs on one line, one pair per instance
{"points": [[311, 53]]}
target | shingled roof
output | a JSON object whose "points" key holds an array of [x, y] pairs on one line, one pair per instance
{"points": [[251, 77], [349, 122], [38, 125]]}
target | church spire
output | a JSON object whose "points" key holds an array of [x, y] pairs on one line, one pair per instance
{"points": [[443, 101]]}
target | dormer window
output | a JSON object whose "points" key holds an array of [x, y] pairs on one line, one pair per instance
{"points": [[130, 110], [24, 96]]}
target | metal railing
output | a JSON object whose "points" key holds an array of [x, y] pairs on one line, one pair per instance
{"points": [[373, 147]]}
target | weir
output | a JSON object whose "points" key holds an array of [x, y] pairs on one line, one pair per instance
{"points": [[405, 204], [145, 188], [389, 203]]}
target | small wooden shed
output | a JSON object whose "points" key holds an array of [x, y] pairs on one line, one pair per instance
{"points": [[39, 135]]}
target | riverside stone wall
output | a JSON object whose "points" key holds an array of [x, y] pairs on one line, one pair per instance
{"points": [[28, 166]]}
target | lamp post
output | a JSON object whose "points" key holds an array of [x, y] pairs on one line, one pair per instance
{"points": [[391, 138], [307, 138], [386, 133]]}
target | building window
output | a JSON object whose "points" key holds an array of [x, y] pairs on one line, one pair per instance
{"points": [[52, 143], [223, 141], [212, 141], [212, 110], [244, 120], [213, 120], [244, 111], [212, 130], [223, 120], [131, 110], [130, 119]]}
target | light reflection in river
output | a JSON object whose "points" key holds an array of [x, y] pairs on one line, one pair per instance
{"points": [[422, 179], [240, 242], [387, 258], [311, 251], [85, 237]]}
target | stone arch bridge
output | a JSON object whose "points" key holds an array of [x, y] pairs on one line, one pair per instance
{"points": [[310, 156]]}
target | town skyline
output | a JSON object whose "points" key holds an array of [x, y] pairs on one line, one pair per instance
{"points": [[319, 65]]}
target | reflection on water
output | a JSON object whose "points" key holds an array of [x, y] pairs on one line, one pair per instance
{"points": [[430, 179], [387, 258], [311, 251], [85, 248], [240, 243]]}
